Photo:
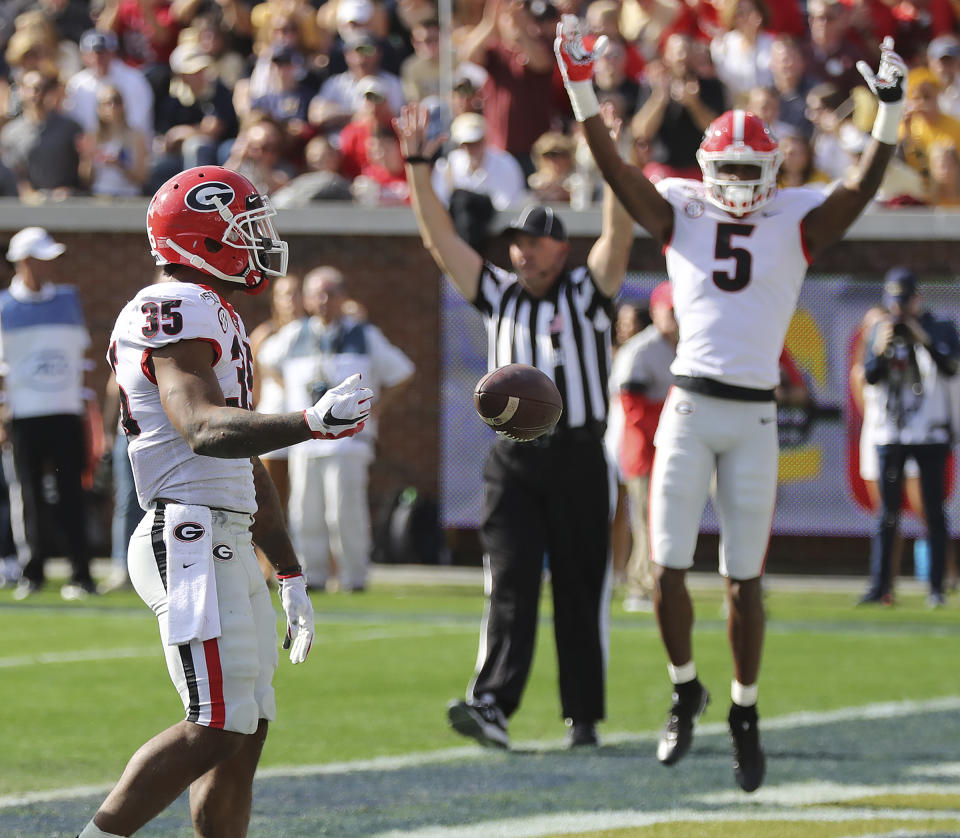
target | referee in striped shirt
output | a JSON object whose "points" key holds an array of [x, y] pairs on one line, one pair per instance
{"points": [[550, 497]]}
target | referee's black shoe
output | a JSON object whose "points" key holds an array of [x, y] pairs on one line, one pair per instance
{"points": [[689, 702], [749, 763], [480, 720]]}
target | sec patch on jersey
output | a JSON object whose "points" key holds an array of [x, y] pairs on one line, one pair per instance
{"points": [[518, 401]]}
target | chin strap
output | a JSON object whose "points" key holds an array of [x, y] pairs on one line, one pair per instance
{"points": [[201, 264]]}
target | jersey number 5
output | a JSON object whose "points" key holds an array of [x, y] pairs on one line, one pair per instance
{"points": [[743, 260]]}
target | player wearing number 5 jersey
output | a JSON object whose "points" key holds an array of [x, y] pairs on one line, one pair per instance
{"points": [[737, 250], [183, 365]]}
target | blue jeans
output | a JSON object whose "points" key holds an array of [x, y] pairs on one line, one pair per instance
{"points": [[932, 461], [126, 509]]}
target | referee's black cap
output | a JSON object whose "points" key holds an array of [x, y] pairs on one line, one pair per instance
{"points": [[536, 220]]}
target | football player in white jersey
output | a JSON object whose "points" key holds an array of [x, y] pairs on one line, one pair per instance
{"points": [[737, 250], [184, 368]]}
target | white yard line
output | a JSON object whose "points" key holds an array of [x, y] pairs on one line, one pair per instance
{"points": [[403, 761]]}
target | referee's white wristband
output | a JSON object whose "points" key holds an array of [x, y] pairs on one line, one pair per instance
{"points": [[886, 127], [583, 99]]}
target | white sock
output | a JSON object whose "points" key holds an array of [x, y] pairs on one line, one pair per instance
{"points": [[682, 674], [91, 830], [743, 694]]}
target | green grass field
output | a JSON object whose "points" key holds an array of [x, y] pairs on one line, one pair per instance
{"points": [[860, 711]]}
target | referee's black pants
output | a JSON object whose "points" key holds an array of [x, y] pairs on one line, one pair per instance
{"points": [[54, 444], [546, 499]]}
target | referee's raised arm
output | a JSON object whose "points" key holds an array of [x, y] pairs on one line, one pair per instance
{"points": [[460, 262]]}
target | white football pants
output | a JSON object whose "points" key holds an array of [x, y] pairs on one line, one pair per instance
{"points": [[697, 436]]}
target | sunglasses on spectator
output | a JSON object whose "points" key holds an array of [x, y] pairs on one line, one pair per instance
{"points": [[376, 98], [556, 152], [365, 49]]}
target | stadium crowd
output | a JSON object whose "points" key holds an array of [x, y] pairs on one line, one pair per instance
{"points": [[112, 97]]}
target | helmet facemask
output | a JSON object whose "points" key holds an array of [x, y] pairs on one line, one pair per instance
{"points": [[740, 197]]}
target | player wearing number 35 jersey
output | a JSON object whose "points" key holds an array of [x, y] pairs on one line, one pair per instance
{"points": [[737, 252], [182, 362]]}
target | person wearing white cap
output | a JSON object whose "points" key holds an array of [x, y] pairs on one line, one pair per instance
{"points": [[476, 166], [43, 339]]}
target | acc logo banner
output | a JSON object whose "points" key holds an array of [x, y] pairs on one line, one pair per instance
{"points": [[200, 198], [188, 531], [222, 552]]}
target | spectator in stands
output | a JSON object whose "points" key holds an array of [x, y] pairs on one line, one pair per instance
{"points": [[103, 68], [292, 24], [741, 53], [420, 72], [648, 23], [359, 20], [384, 168], [924, 124], [193, 118], [612, 81], [287, 102], [468, 82], [603, 18], [27, 50], [798, 167], [43, 340], [791, 83], [341, 95], [40, 146], [37, 25], [147, 31], [113, 157], [831, 54], [943, 58], [474, 165], [209, 31], [515, 47], [765, 103], [553, 157], [944, 175], [677, 110], [257, 154], [827, 110], [374, 112], [321, 182]]}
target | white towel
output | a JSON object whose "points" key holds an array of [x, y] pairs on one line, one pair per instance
{"points": [[191, 583]]}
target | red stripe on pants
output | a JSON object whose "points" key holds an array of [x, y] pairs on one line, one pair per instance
{"points": [[211, 652]]}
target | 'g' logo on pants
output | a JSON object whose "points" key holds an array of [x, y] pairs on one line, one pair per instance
{"points": [[188, 531], [222, 552]]}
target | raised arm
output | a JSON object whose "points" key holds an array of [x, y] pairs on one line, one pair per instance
{"points": [[610, 254], [475, 43], [637, 194], [826, 224], [460, 262]]}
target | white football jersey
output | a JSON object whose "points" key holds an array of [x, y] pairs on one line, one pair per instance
{"points": [[735, 282], [163, 464]]}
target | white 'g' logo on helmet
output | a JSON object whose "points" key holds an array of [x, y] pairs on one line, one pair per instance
{"points": [[200, 198]]}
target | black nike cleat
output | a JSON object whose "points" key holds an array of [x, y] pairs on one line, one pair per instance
{"points": [[689, 702], [480, 720], [749, 763]]}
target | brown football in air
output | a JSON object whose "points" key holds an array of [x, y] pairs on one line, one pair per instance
{"points": [[518, 401]]}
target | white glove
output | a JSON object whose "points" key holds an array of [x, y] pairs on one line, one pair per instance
{"points": [[341, 411], [576, 66], [887, 86], [299, 610]]}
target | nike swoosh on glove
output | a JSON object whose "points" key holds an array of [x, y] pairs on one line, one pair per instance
{"points": [[576, 62], [887, 84], [299, 611], [341, 411]]}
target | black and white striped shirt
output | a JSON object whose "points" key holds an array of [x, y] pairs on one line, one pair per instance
{"points": [[566, 334]]}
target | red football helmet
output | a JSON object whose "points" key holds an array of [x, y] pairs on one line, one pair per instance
{"points": [[213, 219], [739, 138]]}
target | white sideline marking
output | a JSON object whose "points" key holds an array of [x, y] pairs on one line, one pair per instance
{"points": [[943, 769], [395, 763], [579, 822]]}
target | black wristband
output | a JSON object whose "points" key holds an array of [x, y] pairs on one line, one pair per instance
{"points": [[416, 158]]}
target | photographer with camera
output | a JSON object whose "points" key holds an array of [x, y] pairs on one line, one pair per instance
{"points": [[910, 356]]}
